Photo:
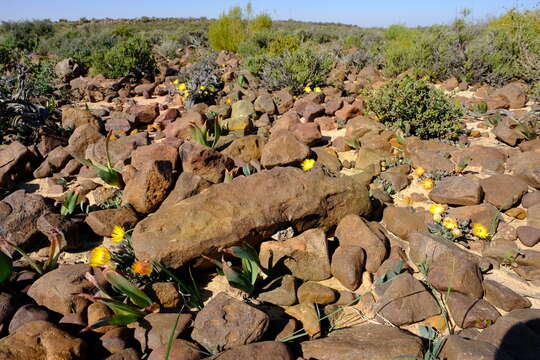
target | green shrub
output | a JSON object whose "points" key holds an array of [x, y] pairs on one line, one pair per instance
{"points": [[232, 28], [297, 69], [26, 35], [283, 42], [131, 56], [201, 81], [416, 108]]}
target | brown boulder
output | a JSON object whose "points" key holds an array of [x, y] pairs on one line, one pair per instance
{"points": [[348, 263], [205, 162], [503, 191], [457, 190], [504, 297], [243, 210], [468, 312], [225, 323], [283, 149]]}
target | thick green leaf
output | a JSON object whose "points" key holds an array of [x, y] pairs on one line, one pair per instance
{"points": [[217, 133], [110, 176], [70, 201], [119, 320], [122, 309], [124, 286], [236, 279], [6, 267]]}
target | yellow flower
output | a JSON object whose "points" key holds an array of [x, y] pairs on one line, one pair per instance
{"points": [[211, 89], [134, 131], [308, 164], [450, 223], [307, 89], [457, 232], [228, 101], [436, 209], [202, 87], [175, 82], [480, 231], [427, 184], [437, 217], [141, 268], [317, 89], [182, 87], [99, 256], [186, 94], [419, 171], [118, 234]]}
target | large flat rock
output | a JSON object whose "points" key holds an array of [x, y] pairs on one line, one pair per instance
{"points": [[248, 209]]}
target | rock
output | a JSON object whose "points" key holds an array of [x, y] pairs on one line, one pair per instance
{"points": [[328, 157], [526, 165], [488, 158], [397, 177], [283, 99], [155, 329], [116, 340], [459, 348], [308, 316], [265, 350], [97, 311], [504, 297], [81, 138], [62, 229], [515, 93], [42, 340], [225, 323], [528, 235], [470, 312], [281, 292], [306, 255], [19, 212], [503, 191], [530, 199], [300, 199], [144, 114], [73, 118], [332, 105], [265, 104], [16, 163], [131, 354], [507, 133], [457, 190], [533, 216], [307, 133], [485, 214], [68, 69], [205, 162], [144, 88], [428, 247], [247, 148], [364, 342], [406, 301], [312, 292], [167, 116], [180, 350], [310, 110], [187, 185], [451, 272], [353, 231], [348, 111], [283, 149], [149, 187], [102, 222], [119, 150], [143, 155], [8, 307], [58, 157], [55, 290], [348, 263], [515, 334], [165, 294], [402, 221]]}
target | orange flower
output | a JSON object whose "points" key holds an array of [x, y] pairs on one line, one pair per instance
{"points": [[142, 268], [428, 184]]}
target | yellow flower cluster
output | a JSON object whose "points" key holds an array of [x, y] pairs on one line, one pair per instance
{"points": [[101, 256], [308, 164], [438, 211], [308, 89]]}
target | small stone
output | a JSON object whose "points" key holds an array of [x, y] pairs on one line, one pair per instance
{"points": [[528, 235], [307, 315], [282, 293], [312, 292], [348, 263], [504, 297]]}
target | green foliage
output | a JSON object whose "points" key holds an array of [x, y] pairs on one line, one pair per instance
{"points": [[201, 134], [6, 267], [297, 69], [233, 27], [131, 56], [283, 42], [69, 204], [244, 277], [108, 173], [40, 267], [434, 346], [391, 273], [133, 305], [416, 108], [26, 35]]}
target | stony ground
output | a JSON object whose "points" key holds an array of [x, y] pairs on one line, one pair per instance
{"points": [[362, 266]]}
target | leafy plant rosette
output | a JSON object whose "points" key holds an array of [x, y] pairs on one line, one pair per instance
{"points": [[245, 276]]}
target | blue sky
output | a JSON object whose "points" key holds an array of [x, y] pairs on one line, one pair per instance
{"points": [[358, 12]]}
